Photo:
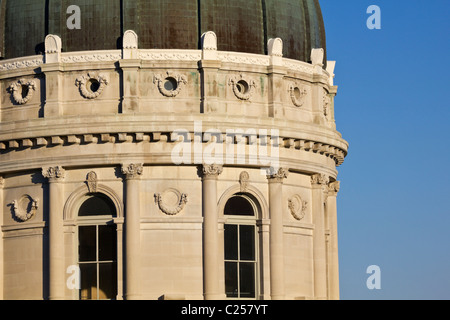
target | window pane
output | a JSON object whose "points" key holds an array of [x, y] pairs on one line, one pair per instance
{"points": [[87, 244], [231, 279], [239, 206], [108, 282], [231, 242], [97, 206], [247, 279], [107, 243], [247, 242], [88, 279]]}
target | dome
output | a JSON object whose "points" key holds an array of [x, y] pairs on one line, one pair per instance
{"points": [[240, 25]]}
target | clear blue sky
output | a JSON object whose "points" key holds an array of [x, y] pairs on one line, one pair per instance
{"points": [[393, 108]]}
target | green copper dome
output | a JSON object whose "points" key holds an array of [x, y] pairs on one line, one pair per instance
{"points": [[240, 25]]}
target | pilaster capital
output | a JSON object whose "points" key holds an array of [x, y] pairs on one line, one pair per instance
{"points": [[54, 174], [279, 175], [2, 182], [132, 171], [211, 171], [319, 180], [333, 187]]}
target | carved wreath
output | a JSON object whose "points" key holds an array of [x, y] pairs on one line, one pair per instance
{"points": [[301, 92], [297, 207], [242, 88], [25, 208], [100, 80], [171, 209], [22, 90], [179, 79]]}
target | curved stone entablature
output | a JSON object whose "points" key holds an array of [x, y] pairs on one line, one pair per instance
{"points": [[136, 114]]}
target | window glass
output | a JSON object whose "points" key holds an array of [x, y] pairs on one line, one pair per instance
{"points": [[97, 205], [107, 243], [231, 242], [87, 244], [247, 242], [231, 279], [247, 280], [239, 205]]}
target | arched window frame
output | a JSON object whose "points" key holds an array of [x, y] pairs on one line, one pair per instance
{"points": [[259, 220], [72, 222]]}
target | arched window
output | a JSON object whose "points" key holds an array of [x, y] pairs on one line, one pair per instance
{"points": [[240, 248], [97, 248]]}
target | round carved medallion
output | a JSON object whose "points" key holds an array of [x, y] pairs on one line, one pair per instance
{"points": [[171, 201]]}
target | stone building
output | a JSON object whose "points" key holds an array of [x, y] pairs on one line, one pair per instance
{"points": [[167, 149]]}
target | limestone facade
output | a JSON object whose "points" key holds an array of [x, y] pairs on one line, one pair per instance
{"points": [[75, 125]]}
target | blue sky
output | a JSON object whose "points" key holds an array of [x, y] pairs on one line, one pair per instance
{"points": [[393, 108]]}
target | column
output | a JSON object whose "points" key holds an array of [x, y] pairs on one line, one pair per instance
{"points": [[333, 262], [318, 183], [277, 281], [2, 181], [132, 279], [57, 270], [211, 270]]}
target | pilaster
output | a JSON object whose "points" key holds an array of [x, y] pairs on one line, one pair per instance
{"points": [[277, 279], [57, 270], [209, 66], [333, 258], [319, 183], [132, 173], [211, 259], [276, 74]]}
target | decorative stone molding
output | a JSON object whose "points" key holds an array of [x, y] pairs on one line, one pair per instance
{"points": [[297, 94], [337, 154], [130, 40], [22, 90], [170, 85], [244, 58], [277, 175], [243, 89], [91, 85], [2, 182], [297, 207], [212, 170], [54, 173], [244, 178], [133, 170], [25, 208], [299, 66], [21, 63], [333, 187], [319, 179], [171, 201], [91, 182], [171, 55], [96, 56]]}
